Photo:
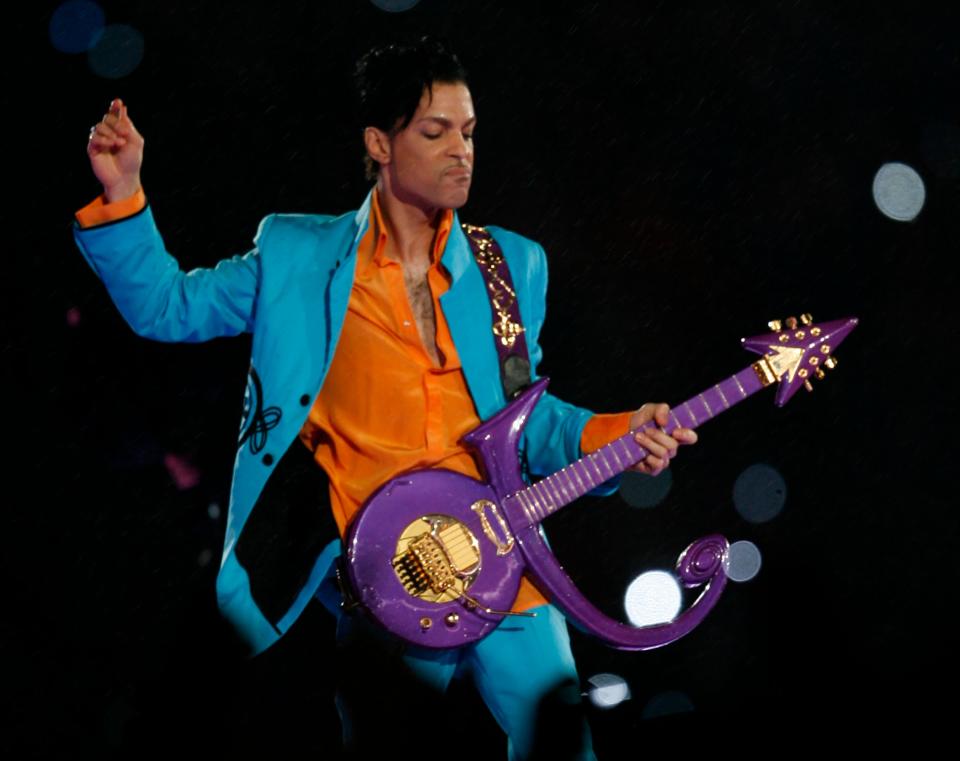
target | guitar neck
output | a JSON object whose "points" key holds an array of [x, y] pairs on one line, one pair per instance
{"points": [[563, 487]]}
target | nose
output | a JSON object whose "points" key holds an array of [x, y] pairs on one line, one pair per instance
{"points": [[460, 147]]}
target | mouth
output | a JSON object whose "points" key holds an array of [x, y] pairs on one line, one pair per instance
{"points": [[459, 171]]}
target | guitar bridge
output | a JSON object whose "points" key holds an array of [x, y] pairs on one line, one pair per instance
{"points": [[437, 563], [426, 566]]}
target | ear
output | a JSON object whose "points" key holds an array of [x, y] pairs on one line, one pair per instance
{"points": [[378, 144]]}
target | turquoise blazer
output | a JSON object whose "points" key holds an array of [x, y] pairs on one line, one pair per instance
{"points": [[291, 292]]}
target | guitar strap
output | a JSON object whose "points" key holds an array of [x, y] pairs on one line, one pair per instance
{"points": [[507, 327]]}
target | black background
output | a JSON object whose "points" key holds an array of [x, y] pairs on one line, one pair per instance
{"points": [[691, 174]]}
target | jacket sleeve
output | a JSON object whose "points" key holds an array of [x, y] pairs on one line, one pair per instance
{"points": [[158, 299], [555, 428]]}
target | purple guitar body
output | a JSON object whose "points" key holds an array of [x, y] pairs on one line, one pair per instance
{"points": [[436, 557]]}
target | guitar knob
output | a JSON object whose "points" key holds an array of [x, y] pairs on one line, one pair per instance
{"points": [[792, 323], [830, 362], [775, 326], [806, 318]]}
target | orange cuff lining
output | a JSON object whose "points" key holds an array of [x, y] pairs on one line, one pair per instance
{"points": [[602, 429], [99, 211]]}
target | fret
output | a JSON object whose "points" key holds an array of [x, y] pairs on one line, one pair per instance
{"points": [[573, 469], [726, 404], [538, 502], [706, 406], [573, 486], [586, 473], [626, 450], [563, 489], [548, 499], [693, 417], [616, 457], [524, 500], [739, 386], [599, 454], [676, 421], [590, 458]]}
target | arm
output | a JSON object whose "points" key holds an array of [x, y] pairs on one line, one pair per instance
{"points": [[156, 298], [118, 238]]}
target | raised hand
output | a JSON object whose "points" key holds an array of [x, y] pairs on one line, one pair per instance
{"points": [[115, 149]]}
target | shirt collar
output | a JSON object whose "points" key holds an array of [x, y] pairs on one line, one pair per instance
{"points": [[378, 230]]}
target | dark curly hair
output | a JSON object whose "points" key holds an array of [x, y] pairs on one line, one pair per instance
{"points": [[390, 80]]}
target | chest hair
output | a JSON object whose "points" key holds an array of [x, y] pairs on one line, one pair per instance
{"points": [[421, 304]]}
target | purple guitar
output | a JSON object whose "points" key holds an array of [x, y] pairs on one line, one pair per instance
{"points": [[436, 557]]}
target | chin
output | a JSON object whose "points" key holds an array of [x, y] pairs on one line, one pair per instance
{"points": [[456, 200]]}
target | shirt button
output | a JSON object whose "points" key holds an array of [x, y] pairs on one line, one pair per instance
{"points": [[406, 323]]}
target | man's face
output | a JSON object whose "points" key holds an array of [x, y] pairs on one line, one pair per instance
{"points": [[431, 159]]}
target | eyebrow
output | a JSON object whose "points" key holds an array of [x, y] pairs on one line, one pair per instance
{"points": [[446, 122]]}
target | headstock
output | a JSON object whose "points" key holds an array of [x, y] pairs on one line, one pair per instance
{"points": [[796, 351]]}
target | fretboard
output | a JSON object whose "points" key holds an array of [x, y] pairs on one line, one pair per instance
{"points": [[553, 492]]}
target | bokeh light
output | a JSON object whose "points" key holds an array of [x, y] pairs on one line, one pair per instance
{"points": [[653, 597], [607, 690], [117, 53], [759, 493], [394, 6], [76, 26], [743, 561], [641, 490], [898, 191]]}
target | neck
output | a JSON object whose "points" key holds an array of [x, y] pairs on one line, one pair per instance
{"points": [[411, 227]]}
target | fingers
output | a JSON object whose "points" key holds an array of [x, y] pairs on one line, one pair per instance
{"points": [[657, 443], [114, 130], [660, 446], [103, 138]]}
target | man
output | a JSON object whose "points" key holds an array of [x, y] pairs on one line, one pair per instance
{"points": [[373, 354]]}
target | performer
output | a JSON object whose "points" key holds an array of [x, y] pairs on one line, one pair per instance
{"points": [[372, 354]]}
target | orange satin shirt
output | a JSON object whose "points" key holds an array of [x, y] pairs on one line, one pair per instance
{"points": [[385, 407]]}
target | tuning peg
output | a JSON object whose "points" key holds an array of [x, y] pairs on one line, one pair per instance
{"points": [[830, 362], [806, 318], [792, 323], [820, 373], [775, 326], [807, 385]]}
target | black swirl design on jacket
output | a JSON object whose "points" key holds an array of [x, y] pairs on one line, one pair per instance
{"points": [[256, 425]]}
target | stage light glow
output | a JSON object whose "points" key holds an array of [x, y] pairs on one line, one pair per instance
{"points": [[653, 597], [759, 493], [607, 690], [641, 490], [204, 558], [184, 475], [73, 317], [117, 53], [213, 510], [667, 704], [743, 561], [898, 191], [76, 26]]}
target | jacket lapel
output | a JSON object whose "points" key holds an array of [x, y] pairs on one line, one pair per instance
{"points": [[467, 311]]}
